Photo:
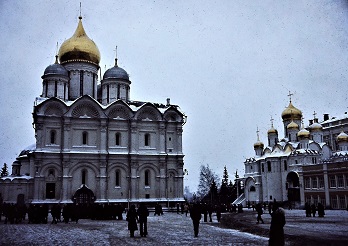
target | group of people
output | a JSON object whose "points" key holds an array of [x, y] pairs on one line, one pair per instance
{"points": [[138, 216], [15, 213], [311, 210]]}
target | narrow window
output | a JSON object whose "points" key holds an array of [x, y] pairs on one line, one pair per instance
{"points": [[93, 86], [285, 166], [107, 94], [46, 89], [53, 137], [117, 178], [262, 167], [269, 166], [147, 178], [147, 139], [64, 92], [252, 188], [55, 88], [332, 181], [83, 177], [118, 139], [118, 91], [84, 138], [81, 83]]}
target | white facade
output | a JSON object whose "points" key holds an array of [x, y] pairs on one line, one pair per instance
{"points": [[277, 170], [93, 135]]}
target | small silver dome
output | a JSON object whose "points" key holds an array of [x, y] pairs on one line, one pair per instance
{"points": [[116, 73], [56, 69]]}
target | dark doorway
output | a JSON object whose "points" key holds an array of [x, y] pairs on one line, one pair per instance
{"points": [[83, 195], [293, 187], [50, 190]]}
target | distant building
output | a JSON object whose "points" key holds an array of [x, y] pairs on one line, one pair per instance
{"points": [[94, 144], [306, 165]]}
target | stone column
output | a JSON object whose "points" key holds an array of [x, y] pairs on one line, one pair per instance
{"points": [[102, 180], [163, 179], [179, 139], [103, 136], [162, 138], [134, 180], [133, 138], [326, 185], [67, 136], [65, 181]]}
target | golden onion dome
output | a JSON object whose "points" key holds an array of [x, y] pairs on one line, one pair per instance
{"points": [[292, 125], [315, 127], [342, 137], [258, 144], [272, 131], [303, 133], [79, 47], [291, 112]]}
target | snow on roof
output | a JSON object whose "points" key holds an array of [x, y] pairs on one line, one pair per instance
{"points": [[335, 118], [26, 177]]}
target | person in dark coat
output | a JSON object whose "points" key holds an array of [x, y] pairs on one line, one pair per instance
{"points": [[276, 232], [321, 209], [132, 219], [143, 213], [313, 209], [259, 211], [218, 213], [196, 215], [308, 209]]}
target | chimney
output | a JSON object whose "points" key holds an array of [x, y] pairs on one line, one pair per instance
{"points": [[168, 101], [326, 117]]}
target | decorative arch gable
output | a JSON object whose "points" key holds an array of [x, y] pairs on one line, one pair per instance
{"points": [[119, 110], [172, 115], [148, 113], [85, 110], [51, 107]]}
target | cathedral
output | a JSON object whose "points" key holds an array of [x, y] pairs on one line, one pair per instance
{"points": [[93, 143], [307, 165]]}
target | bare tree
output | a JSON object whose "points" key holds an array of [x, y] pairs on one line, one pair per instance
{"points": [[206, 178]]}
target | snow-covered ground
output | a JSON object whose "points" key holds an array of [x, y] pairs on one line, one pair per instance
{"points": [[169, 229]]}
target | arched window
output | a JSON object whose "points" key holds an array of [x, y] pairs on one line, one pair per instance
{"points": [[147, 178], [252, 188], [84, 137], [147, 139], [53, 137], [117, 178], [118, 139], [83, 176]]}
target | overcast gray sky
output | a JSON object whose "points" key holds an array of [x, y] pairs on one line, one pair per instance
{"points": [[228, 64]]}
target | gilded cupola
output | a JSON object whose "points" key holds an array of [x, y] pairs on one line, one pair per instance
{"points": [[291, 113], [342, 137], [79, 47]]}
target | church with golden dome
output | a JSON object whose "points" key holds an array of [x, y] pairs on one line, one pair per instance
{"points": [[306, 165], [93, 143]]}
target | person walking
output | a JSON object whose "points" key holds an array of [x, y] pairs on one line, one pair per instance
{"points": [[276, 232], [132, 219], [259, 211], [196, 215], [143, 213]]}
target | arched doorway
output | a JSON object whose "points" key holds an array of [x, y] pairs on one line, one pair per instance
{"points": [[83, 195], [83, 201], [293, 187]]}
